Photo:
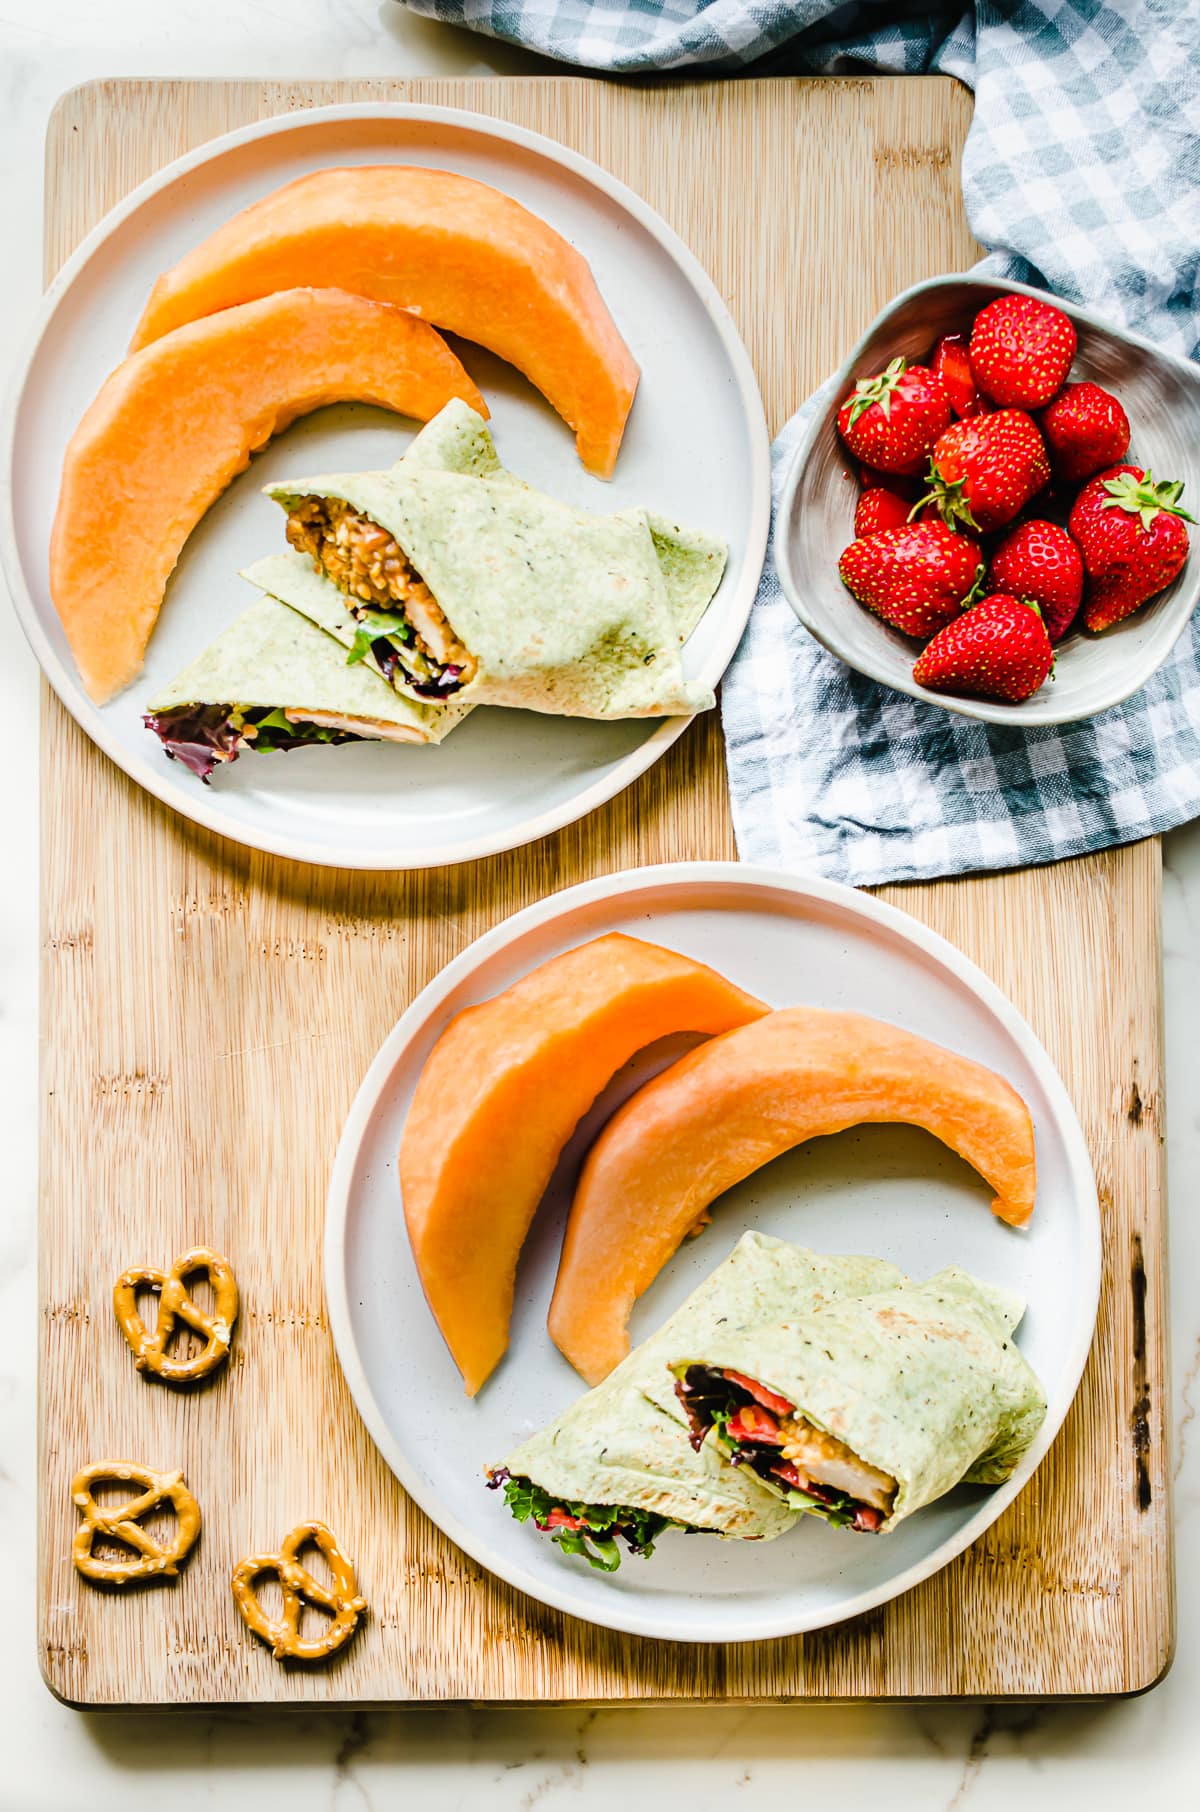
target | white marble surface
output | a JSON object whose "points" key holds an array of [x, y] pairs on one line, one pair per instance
{"points": [[437, 1761]]}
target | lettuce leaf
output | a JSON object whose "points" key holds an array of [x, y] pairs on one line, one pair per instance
{"points": [[277, 731], [376, 625], [198, 735], [202, 735], [839, 1512], [639, 1529]]}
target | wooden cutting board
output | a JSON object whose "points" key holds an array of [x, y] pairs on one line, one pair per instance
{"points": [[208, 1013]]}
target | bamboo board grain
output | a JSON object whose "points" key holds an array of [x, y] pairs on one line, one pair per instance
{"points": [[208, 1013]]}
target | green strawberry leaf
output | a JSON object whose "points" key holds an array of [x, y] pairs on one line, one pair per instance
{"points": [[1142, 498], [869, 391], [949, 496]]}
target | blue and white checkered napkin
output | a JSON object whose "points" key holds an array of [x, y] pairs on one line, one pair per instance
{"points": [[1082, 173]]}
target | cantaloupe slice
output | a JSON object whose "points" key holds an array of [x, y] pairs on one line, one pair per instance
{"points": [[174, 424], [499, 1097], [731, 1106], [455, 251]]}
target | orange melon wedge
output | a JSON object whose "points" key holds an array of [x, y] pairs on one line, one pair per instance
{"points": [[728, 1108], [457, 252], [499, 1097], [175, 423]]}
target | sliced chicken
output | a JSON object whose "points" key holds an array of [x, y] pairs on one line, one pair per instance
{"points": [[357, 726], [820, 1459], [368, 566], [433, 632]]}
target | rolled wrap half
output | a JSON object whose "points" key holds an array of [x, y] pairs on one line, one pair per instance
{"points": [[500, 595], [620, 1461], [878, 1404], [273, 680], [692, 562], [459, 440]]}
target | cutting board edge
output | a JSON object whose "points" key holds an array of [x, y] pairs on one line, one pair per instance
{"points": [[60, 113]]}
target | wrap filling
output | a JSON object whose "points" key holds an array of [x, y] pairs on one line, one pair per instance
{"points": [[756, 1427], [590, 1530], [400, 621], [201, 736]]}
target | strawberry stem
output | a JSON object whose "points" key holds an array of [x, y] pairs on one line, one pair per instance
{"points": [[976, 591], [869, 391], [1143, 498], [950, 497]]}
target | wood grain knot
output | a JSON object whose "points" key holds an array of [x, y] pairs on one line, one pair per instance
{"points": [[1000, 1559], [68, 942], [1139, 1103], [216, 905], [66, 1311], [1139, 1419], [209, 1643], [385, 931], [912, 157], [289, 1318], [127, 1084]]}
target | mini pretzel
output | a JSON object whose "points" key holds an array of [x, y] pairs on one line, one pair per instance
{"points": [[175, 1304], [300, 1587], [120, 1523]]}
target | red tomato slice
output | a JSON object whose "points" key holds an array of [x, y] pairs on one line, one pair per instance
{"points": [[769, 1399], [784, 1469], [754, 1424], [562, 1519]]}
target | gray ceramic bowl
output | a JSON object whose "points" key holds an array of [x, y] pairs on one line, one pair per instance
{"points": [[1161, 396]]}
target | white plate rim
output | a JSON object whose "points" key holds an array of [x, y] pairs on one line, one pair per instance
{"points": [[625, 1617], [206, 809]]}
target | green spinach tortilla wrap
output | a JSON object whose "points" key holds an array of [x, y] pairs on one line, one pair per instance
{"points": [[493, 593], [869, 1407], [692, 563], [620, 1463], [274, 680]]}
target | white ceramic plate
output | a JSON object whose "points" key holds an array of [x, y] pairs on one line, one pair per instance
{"points": [[890, 1191], [696, 448]]}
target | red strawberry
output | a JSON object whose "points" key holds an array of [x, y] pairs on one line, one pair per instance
{"points": [[1021, 351], [892, 420], [953, 365], [1085, 429], [1133, 540], [1040, 563], [906, 484], [915, 578], [985, 470], [880, 509], [997, 649]]}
